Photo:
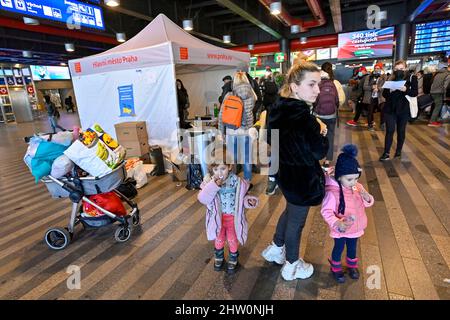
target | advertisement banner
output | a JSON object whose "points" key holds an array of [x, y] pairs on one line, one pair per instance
{"points": [[366, 44]]}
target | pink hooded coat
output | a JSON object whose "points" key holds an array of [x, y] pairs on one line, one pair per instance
{"points": [[209, 197], [354, 206]]}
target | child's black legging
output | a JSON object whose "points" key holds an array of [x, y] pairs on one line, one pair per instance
{"points": [[339, 244]]}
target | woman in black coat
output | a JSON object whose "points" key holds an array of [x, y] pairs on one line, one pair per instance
{"points": [[183, 104], [396, 109], [302, 143]]}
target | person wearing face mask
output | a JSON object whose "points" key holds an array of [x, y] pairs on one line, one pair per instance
{"points": [[372, 95], [363, 96], [302, 144], [396, 109]]}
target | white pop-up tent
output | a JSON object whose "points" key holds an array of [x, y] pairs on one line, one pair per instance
{"points": [[136, 81]]}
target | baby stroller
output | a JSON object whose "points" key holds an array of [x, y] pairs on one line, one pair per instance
{"points": [[77, 189]]}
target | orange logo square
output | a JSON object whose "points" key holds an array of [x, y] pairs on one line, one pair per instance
{"points": [[77, 67], [184, 53]]}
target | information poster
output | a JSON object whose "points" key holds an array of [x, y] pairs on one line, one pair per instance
{"points": [[366, 44], [126, 101]]}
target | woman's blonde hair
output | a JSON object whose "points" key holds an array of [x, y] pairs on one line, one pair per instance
{"points": [[296, 75], [240, 77]]}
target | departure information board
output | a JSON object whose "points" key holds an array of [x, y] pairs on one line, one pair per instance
{"points": [[432, 37], [65, 11]]}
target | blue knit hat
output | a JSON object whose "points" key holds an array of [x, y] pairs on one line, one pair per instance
{"points": [[346, 162]]}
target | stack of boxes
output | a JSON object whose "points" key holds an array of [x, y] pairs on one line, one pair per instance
{"points": [[133, 137]]}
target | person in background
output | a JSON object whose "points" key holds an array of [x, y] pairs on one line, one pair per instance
{"points": [[227, 84], [328, 68], [326, 109], [183, 104], [52, 114], [396, 110], [259, 99], [419, 75], [69, 104], [373, 84], [239, 138], [363, 96], [302, 145], [438, 90]]}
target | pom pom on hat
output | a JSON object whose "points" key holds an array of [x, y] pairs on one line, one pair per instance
{"points": [[346, 162]]}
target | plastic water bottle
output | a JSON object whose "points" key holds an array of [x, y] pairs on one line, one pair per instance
{"points": [[216, 110]]}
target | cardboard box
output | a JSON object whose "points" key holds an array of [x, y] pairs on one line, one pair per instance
{"points": [[131, 131], [135, 148]]}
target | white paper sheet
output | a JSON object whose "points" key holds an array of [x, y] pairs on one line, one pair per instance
{"points": [[394, 85]]}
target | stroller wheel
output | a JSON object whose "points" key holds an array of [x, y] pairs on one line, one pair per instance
{"points": [[122, 233], [136, 220], [57, 238]]}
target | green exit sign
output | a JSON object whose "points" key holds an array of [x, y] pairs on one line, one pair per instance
{"points": [[279, 57], [254, 61]]}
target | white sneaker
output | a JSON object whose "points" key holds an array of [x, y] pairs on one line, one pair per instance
{"points": [[273, 253], [297, 270]]}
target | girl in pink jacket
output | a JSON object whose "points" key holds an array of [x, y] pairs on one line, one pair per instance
{"points": [[225, 195], [343, 208]]}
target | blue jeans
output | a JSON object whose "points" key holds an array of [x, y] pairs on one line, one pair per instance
{"points": [[240, 145], [339, 244], [54, 124]]}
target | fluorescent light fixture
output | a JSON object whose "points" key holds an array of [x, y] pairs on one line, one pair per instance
{"points": [[275, 8], [295, 28], [188, 25], [227, 38], [27, 54], [69, 47], [303, 40], [30, 21], [251, 47], [121, 37], [112, 3]]}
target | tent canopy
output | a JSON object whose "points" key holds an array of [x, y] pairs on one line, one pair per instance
{"points": [[160, 42]]}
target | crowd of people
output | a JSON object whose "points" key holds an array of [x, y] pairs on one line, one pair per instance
{"points": [[305, 111]]}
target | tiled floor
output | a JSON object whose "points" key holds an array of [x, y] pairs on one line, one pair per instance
{"points": [[406, 244]]}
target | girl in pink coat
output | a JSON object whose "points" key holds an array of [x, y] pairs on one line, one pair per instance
{"points": [[343, 208], [225, 195]]}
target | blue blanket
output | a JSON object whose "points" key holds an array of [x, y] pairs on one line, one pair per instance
{"points": [[47, 152]]}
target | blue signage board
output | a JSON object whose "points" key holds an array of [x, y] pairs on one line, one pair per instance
{"points": [[66, 11], [432, 37], [126, 101]]}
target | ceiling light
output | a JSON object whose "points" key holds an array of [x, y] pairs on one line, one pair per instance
{"points": [[121, 37], [63, 64], [275, 8], [295, 28], [251, 47], [27, 54], [227, 38], [30, 21], [112, 3], [188, 25], [303, 40], [69, 47]]}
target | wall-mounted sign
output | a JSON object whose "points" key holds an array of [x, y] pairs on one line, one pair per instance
{"points": [[366, 44], [253, 61], [19, 81], [50, 73], [279, 57], [65, 11], [10, 81], [30, 89], [3, 90], [432, 37]]}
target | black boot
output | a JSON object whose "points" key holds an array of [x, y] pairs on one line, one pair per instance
{"points": [[336, 271], [352, 268], [353, 273], [232, 262], [218, 259]]}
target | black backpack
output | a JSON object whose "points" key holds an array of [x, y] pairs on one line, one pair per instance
{"points": [[128, 188]]}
